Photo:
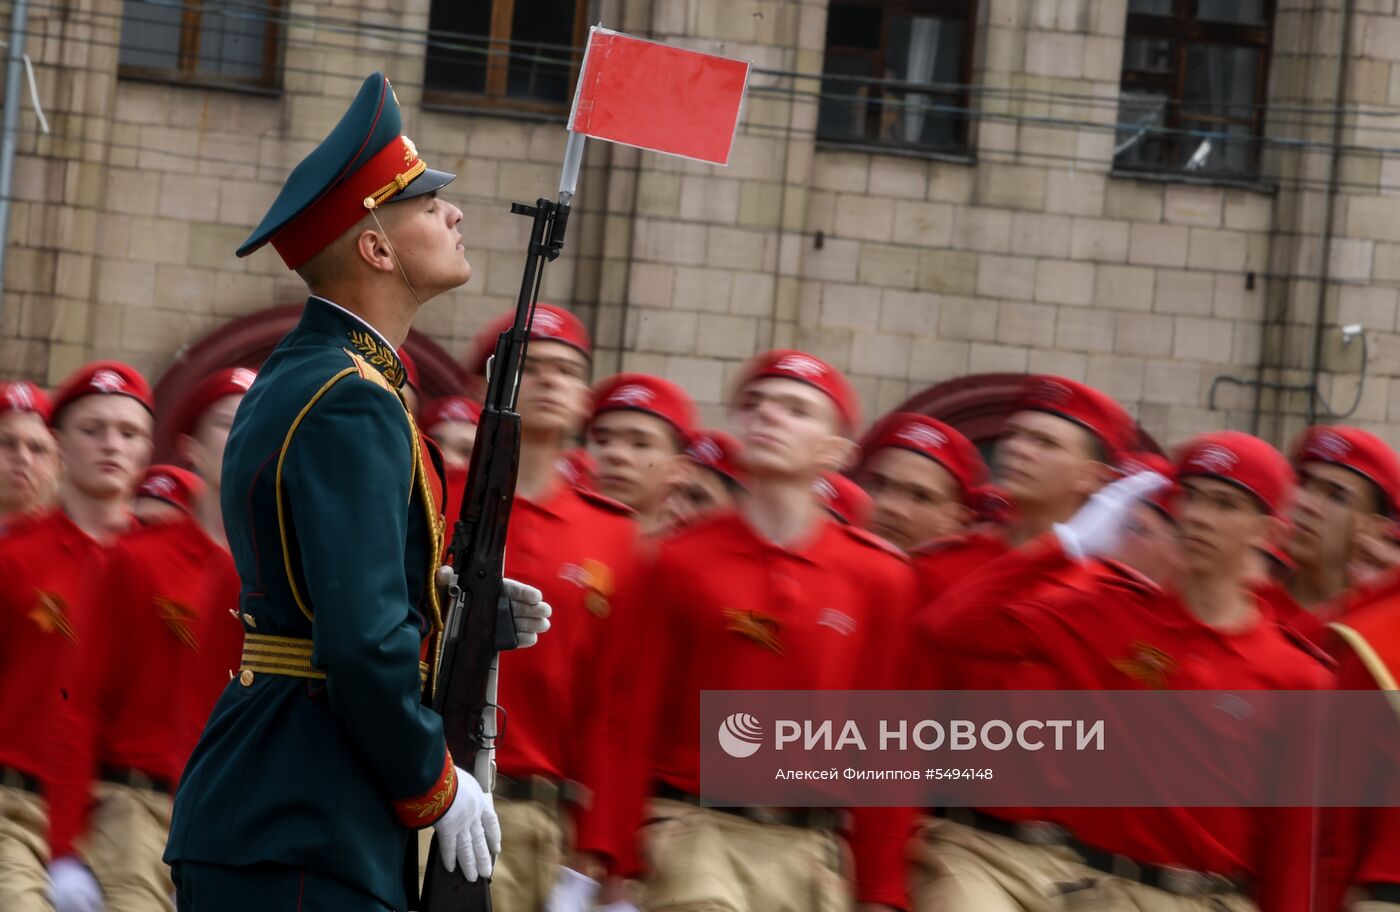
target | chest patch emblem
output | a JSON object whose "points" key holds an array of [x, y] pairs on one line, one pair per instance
{"points": [[177, 618], [596, 579], [50, 613], [1148, 665], [760, 628]]}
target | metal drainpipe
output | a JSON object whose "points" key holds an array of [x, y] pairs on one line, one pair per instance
{"points": [[14, 76], [1333, 177]]}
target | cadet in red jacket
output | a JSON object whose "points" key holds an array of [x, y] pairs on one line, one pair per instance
{"points": [[1055, 450], [451, 423], [29, 466], [640, 425], [577, 547], [1348, 486], [48, 573], [922, 476], [1116, 634], [164, 648], [730, 605], [167, 494], [706, 477]]}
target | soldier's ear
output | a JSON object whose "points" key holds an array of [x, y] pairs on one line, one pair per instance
{"points": [[372, 248]]}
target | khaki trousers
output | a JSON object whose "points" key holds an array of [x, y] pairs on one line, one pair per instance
{"points": [[24, 852], [1371, 905], [532, 849], [957, 868], [124, 844], [703, 860]]}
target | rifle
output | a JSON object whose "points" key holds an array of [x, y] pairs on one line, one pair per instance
{"points": [[479, 623]]}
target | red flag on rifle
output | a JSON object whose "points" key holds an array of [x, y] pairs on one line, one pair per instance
{"points": [[654, 96]]}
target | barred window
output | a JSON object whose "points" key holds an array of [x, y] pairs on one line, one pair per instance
{"points": [[203, 42], [896, 73], [511, 54], [1194, 78]]}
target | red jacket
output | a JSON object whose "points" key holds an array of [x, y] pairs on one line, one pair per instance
{"points": [[726, 609], [1124, 634], [49, 572], [579, 549], [163, 649], [943, 562]]}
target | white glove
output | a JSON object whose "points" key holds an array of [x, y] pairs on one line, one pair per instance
{"points": [[74, 887], [469, 832], [1098, 526], [573, 892], [530, 610], [526, 603]]}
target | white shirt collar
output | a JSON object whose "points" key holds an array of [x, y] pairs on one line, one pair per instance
{"points": [[357, 318]]}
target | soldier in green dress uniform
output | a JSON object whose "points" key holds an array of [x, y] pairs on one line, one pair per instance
{"points": [[320, 758]]}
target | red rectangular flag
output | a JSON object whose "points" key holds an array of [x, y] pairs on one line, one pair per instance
{"points": [[654, 96]]}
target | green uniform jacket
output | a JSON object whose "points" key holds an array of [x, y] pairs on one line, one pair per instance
{"points": [[325, 773]]}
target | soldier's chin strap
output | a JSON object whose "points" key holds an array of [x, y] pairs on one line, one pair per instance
{"points": [[397, 262]]}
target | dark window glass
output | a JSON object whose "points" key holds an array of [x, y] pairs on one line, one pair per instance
{"points": [[204, 43], [896, 73], [1193, 86], [521, 54], [458, 45]]}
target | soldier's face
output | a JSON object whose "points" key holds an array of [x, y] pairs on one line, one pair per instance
{"points": [[1046, 461], [692, 491], [426, 235], [554, 392], [633, 451], [1151, 545], [1222, 527], [1327, 516], [29, 465], [456, 439], [914, 498], [105, 442], [788, 429], [204, 449]]}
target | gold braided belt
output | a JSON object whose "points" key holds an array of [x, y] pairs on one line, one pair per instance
{"points": [[287, 656], [278, 655]]}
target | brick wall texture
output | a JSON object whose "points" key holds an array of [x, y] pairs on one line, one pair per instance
{"points": [[1030, 254]]}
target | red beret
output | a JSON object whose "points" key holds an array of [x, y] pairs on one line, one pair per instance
{"points": [[172, 484], [1242, 460], [934, 439], [845, 499], [22, 396], [795, 365], [232, 381], [451, 408], [551, 324], [649, 394], [103, 378], [718, 452], [991, 505], [410, 369], [1352, 448], [1092, 410]]}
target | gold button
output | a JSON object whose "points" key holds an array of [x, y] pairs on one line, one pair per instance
{"points": [[250, 620], [246, 678]]}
